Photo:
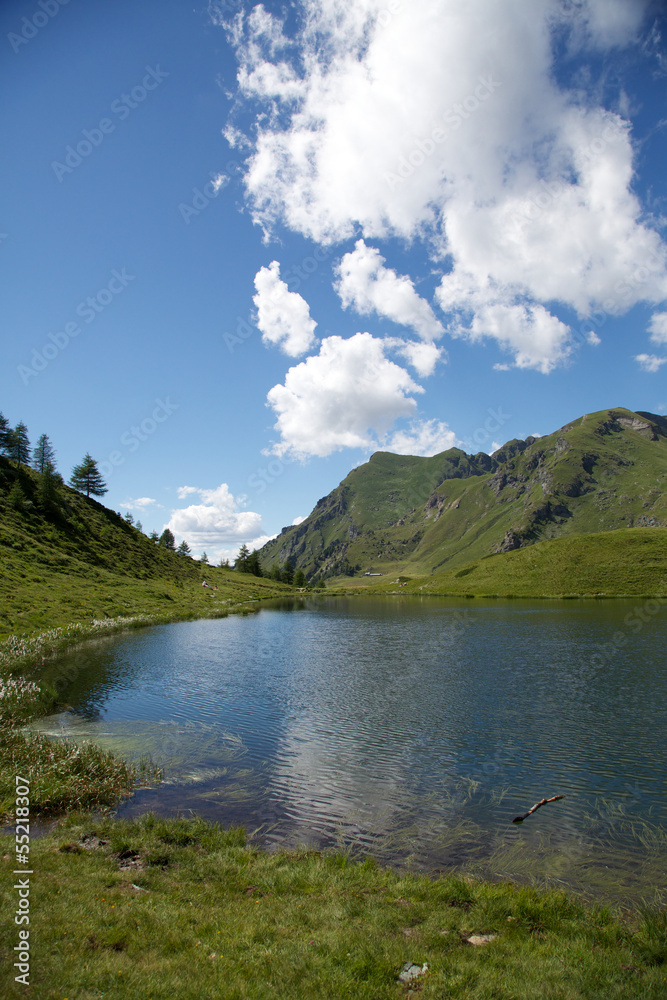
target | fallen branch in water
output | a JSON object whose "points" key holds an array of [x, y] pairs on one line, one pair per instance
{"points": [[542, 802]]}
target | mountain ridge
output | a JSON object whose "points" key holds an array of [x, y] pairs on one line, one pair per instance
{"points": [[414, 515]]}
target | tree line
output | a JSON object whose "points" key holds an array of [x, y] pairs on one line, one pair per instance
{"points": [[86, 478]]}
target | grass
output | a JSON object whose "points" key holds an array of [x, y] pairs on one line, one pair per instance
{"points": [[630, 562], [181, 908], [64, 775]]}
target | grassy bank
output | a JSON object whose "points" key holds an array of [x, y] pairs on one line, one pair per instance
{"points": [[631, 562], [180, 908]]}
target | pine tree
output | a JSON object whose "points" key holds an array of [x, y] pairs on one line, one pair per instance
{"points": [[47, 488], [5, 435], [20, 444], [44, 454], [203, 559], [288, 572], [167, 540], [253, 565], [154, 537], [86, 478], [128, 518], [241, 563], [299, 578], [183, 549], [16, 496]]}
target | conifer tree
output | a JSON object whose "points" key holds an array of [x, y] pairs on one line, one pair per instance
{"points": [[241, 563], [167, 540], [86, 478], [47, 487], [16, 496], [44, 454], [203, 559], [299, 578], [5, 435], [183, 549], [253, 565], [288, 572], [20, 444], [154, 537]]}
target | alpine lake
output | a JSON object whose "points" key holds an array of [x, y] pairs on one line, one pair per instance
{"points": [[413, 730]]}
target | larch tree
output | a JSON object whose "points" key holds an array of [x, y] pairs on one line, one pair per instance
{"points": [[5, 435], [44, 454], [20, 444], [86, 478]]}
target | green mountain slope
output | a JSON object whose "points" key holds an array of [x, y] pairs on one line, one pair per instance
{"points": [[628, 562], [404, 514], [78, 560]]}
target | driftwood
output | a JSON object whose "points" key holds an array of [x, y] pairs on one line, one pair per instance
{"points": [[542, 802]]}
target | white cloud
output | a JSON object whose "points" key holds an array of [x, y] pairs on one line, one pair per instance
{"points": [[650, 362], [422, 357], [184, 491], [606, 24], [141, 502], [429, 437], [282, 316], [658, 328], [298, 520], [444, 122], [593, 338], [215, 522], [366, 285], [347, 396]]}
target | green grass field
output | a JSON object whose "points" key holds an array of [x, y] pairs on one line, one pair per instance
{"points": [[630, 562], [157, 910]]}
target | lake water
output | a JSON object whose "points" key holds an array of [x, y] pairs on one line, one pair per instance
{"points": [[412, 729]]}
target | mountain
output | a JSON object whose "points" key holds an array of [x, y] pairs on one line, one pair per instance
{"points": [[416, 516]]}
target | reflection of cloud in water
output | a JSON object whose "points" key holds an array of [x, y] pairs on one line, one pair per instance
{"points": [[322, 784]]}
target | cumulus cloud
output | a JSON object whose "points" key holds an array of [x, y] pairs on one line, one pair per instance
{"points": [[347, 396], [428, 437], [215, 523], [282, 316], [658, 328], [445, 123], [422, 357], [366, 285], [650, 362], [185, 491], [141, 503]]}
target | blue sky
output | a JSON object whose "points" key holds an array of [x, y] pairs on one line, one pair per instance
{"points": [[245, 246]]}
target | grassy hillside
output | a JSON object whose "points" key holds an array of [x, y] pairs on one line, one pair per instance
{"points": [[78, 560], [630, 562], [416, 516]]}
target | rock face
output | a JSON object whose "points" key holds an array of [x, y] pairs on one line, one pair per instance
{"points": [[413, 515]]}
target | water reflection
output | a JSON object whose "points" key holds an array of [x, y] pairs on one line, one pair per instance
{"points": [[416, 729]]}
